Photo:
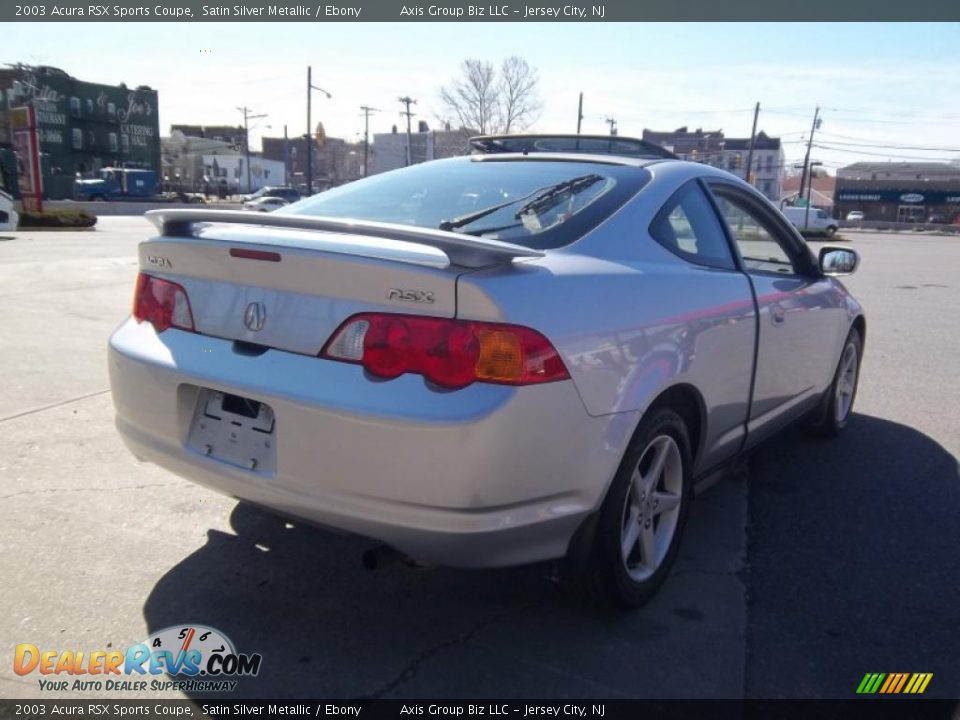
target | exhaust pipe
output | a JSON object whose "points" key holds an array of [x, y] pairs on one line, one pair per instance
{"points": [[380, 556]]}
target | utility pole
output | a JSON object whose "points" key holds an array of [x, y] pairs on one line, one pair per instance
{"points": [[247, 116], [309, 135], [408, 101], [286, 156], [612, 122], [366, 133], [753, 140], [804, 178], [579, 113]]}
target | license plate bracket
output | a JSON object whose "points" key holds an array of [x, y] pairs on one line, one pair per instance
{"points": [[235, 430]]}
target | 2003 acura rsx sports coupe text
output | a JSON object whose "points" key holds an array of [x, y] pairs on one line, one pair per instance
{"points": [[525, 354]]}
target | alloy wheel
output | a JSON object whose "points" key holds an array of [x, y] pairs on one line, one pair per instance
{"points": [[651, 508], [846, 382]]}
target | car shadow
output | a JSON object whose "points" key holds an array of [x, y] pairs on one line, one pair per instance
{"points": [[852, 561], [326, 627]]}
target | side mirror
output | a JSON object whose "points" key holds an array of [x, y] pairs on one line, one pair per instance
{"points": [[838, 260]]}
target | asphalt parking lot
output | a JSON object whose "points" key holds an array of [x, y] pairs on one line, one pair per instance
{"points": [[829, 560]]}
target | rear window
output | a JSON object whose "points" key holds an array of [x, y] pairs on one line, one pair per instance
{"points": [[539, 204]]}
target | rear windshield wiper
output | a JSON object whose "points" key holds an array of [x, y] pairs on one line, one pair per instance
{"points": [[547, 197], [540, 195]]}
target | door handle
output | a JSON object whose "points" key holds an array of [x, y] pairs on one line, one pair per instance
{"points": [[777, 314]]}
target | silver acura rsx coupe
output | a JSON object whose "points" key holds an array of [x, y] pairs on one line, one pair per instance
{"points": [[533, 352]]}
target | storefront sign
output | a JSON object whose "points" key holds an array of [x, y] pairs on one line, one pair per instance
{"points": [[897, 197], [26, 145]]}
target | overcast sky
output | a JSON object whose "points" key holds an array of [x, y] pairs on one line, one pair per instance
{"points": [[877, 84]]}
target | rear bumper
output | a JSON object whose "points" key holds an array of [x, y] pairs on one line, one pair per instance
{"points": [[481, 477]]}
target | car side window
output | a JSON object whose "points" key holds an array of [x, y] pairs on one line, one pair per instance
{"points": [[687, 226], [760, 244]]}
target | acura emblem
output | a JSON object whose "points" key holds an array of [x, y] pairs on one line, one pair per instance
{"points": [[255, 316]]}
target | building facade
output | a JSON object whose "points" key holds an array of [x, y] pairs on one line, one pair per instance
{"points": [[230, 170], [83, 126], [182, 159], [335, 161], [712, 147], [389, 150], [913, 192], [234, 137], [766, 175]]}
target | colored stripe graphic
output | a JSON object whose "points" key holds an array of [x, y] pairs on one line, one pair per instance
{"points": [[894, 683], [903, 680]]}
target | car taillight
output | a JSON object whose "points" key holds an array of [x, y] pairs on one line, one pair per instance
{"points": [[450, 353], [162, 303]]}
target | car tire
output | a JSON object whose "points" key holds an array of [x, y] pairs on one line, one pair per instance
{"points": [[643, 515], [830, 231], [833, 414]]}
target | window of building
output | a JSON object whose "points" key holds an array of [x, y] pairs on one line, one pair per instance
{"points": [[111, 109], [89, 106], [769, 163], [113, 142], [91, 138], [125, 143], [767, 187], [75, 107], [77, 139]]}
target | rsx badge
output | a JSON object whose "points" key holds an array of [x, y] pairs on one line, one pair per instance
{"points": [[417, 296]]}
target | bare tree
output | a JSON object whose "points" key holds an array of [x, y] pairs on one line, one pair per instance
{"points": [[488, 102], [519, 102], [473, 96]]}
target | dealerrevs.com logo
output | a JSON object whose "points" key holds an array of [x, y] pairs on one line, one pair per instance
{"points": [[194, 658]]}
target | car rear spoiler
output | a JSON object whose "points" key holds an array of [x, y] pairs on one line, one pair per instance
{"points": [[463, 250]]}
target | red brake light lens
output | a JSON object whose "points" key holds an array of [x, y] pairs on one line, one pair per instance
{"points": [[449, 353], [162, 303]]}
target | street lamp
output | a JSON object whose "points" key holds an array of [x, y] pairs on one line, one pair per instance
{"points": [[310, 88]]}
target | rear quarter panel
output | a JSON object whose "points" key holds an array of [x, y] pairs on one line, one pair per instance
{"points": [[630, 320]]}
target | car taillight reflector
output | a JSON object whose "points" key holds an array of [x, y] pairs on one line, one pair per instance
{"points": [[449, 353], [162, 303]]}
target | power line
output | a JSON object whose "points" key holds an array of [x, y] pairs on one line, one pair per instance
{"points": [[885, 144], [883, 155]]}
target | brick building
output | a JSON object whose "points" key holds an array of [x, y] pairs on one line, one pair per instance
{"points": [[83, 126]]}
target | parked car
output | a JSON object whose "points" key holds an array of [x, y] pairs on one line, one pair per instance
{"points": [[287, 193], [265, 204], [488, 360], [938, 219], [8, 213], [813, 221], [855, 215]]}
